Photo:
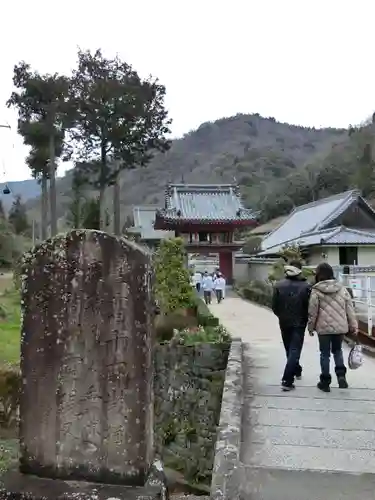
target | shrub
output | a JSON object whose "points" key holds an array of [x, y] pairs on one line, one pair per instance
{"points": [[167, 324], [258, 291], [10, 386], [173, 289], [8, 453], [204, 316], [252, 245], [197, 335]]}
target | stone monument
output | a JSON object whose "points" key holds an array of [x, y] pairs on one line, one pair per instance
{"points": [[86, 411]]}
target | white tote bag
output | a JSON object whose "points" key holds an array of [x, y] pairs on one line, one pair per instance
{"points": [[355, 359]]}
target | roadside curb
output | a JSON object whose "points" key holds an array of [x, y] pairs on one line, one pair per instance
{"points": [[224, 483]]}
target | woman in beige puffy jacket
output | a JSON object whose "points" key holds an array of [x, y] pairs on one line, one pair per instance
{"points": [[331, 316]]}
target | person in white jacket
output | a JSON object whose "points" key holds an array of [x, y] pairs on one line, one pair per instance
{"points": [[219, 285], [196, 280], [208, 287]]}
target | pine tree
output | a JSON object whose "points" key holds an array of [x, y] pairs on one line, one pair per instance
{"points": [[120, 122], [17, 216]]}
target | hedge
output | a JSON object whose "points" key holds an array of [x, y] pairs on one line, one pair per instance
{"points": [[257, 291], [203, 314]]}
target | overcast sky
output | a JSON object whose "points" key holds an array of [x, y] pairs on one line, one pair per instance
{"points": [[304, 62]]}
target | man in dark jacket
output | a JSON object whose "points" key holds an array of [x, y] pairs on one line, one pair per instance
{"points": [[290, 303]]}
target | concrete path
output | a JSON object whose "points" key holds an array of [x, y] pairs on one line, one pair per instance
{"points": [[305, 444]]}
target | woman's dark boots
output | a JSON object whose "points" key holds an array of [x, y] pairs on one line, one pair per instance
{"points": [[325, 380], [341, 377], [324, 383]]}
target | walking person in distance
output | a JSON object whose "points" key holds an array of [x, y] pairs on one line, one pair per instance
{"points": [[290, 304], [219, 285], [331, 316], [208, 286], [198, 280]]}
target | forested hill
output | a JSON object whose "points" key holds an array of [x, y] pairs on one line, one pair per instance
{"points": [[277, 165]]}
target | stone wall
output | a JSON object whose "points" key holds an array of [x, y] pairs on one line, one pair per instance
{"points": [[188, 391]]}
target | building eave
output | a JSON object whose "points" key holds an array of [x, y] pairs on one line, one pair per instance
{"points": [[340, 201]]}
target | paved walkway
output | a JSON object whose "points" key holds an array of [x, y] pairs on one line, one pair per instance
{"points": [[289, 439]]}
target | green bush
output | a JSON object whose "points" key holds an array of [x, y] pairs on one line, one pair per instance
{"points": [[166, 324], [10, 386], [173, 289], [258, 291], [203, 335], [204, 316], [8, 453]]}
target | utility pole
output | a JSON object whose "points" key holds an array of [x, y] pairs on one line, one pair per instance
{"points": [[33, 229], [6, 189]]}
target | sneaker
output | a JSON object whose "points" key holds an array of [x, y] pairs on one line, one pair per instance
{"points": [[323, 387], [343, 384], [287, 387], [299, 377]]}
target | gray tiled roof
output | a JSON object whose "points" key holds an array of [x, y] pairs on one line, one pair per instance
{"points": [[144, 218], [205, 203], [347, 236], [310, 218], [334, 236]]}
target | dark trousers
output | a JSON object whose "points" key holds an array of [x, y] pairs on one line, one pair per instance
{"points": [[331, 344], [198, 287], [207, 296], [219, 295], [293, 338]]}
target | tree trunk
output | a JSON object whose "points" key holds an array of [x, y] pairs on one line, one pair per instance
{"points": [[116, 208], [77, 222], [44, 214], [52, 189], [101, 209], [103, 185]]}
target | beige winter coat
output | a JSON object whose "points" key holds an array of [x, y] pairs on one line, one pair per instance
{"points": [[331, 309]]}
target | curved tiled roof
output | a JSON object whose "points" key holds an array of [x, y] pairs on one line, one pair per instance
{"points": [[144, 218], [310, 218], [204, 203]]}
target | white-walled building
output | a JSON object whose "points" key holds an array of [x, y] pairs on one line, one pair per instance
{"points": [[339, 230]]}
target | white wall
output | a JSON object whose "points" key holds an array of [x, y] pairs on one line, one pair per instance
{"points": [[241, 271], [320, 254], [366, 255], [259, 270]]}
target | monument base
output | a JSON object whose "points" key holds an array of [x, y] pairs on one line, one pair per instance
{"points": [[17, 486]]}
